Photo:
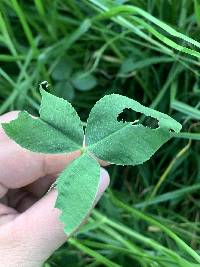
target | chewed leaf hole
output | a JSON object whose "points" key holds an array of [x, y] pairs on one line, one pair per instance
{"points": [[128, 115], [150, 122]]}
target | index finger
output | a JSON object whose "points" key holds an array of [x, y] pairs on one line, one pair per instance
{"points": [[20, 167]]}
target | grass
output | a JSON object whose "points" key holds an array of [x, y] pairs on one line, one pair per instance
{"points": [[148, 50]]}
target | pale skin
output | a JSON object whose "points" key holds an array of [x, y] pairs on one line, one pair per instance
{"points": [[30, 230]]}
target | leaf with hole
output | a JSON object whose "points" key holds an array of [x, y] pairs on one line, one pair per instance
{"points": [[63, 69], [121, 142], [107, 137]]}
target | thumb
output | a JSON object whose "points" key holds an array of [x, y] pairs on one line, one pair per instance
{"points": [[39, 228]]}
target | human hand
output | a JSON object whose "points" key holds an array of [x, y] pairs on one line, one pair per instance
{"points": [[30, 229]]}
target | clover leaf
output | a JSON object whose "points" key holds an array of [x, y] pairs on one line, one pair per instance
{"points": [[125, 143], [59, 130]]}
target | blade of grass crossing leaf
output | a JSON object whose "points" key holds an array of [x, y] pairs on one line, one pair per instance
{"points": [[77, 188]]}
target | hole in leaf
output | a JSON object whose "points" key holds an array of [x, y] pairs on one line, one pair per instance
{"points": [[128, 115], [150, 122]]}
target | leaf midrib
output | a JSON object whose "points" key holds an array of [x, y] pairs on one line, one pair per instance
{"points": [[114, 132], [60, 131]]}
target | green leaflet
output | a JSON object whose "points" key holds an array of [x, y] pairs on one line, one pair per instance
{"points": [[77, 187], [122, 142], [60, 114], [58, 130]]}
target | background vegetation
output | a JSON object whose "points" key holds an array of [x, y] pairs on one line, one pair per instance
{"points": [[150, 214]]}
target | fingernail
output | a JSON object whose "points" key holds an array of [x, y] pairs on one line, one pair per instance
{"points": [[103, 183]]}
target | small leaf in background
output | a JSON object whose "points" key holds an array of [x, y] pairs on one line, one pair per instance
{"points": [[62, 70], [58, 130], [128, 65], [64, 89], [121, 142], [77, 188], [84, 81]]}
